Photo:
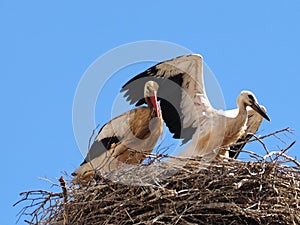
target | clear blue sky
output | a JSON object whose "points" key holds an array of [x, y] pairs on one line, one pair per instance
{"points": [[45, 49]]}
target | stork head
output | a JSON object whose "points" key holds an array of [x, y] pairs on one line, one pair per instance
{"points": [[150, 94], [247, 98]]}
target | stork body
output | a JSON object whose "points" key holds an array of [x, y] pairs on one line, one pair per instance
{"points": [[125, 139], [187, 110], [253, 123]]}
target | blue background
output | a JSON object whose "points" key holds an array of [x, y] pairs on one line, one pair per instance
{"points": [[45, 48]]}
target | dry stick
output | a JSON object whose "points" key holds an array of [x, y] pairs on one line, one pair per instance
{"points": [[287, 129], [263, 144], [90, 139], [287, 148], [129, 216], [89, 145], [290, 131], [53, 184], [49, 195], [65, 195], [282, 153], [26, 221], [280, 139]]}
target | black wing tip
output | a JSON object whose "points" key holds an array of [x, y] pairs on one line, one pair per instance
{"points": [[84, 162], [145, 74], [74, 174], [140, 102], [235, 150], [233, 154]]}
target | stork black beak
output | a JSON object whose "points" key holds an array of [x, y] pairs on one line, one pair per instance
{"points": [[258, 109]]}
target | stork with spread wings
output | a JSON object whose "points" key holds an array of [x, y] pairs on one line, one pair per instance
{"points": [[186, 109]]}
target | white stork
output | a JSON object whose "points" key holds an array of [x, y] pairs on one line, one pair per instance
{"points": [[125, 139], [186, 108]]}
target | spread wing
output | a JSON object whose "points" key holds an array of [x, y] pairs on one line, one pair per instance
{"points": [[181, 93]]}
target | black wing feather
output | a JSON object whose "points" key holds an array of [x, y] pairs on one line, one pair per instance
{"points": [[169, 95], [235, 149], [98, 147], [134, 88]]}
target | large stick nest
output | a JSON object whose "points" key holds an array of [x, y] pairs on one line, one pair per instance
{"points": [[223, 192]]}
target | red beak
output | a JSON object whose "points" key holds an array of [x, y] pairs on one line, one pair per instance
{"points": [[153, 99]]}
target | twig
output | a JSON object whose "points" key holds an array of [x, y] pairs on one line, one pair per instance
{"points": [[282, 153], [92, 135], [65, 195], [262, 143], [38, 202]]}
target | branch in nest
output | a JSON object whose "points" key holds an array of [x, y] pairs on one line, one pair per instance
{"points": [[38, 204], [65, 195], [282, 154]]}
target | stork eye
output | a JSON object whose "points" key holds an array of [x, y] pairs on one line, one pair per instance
{"points": [[251, 98]]}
